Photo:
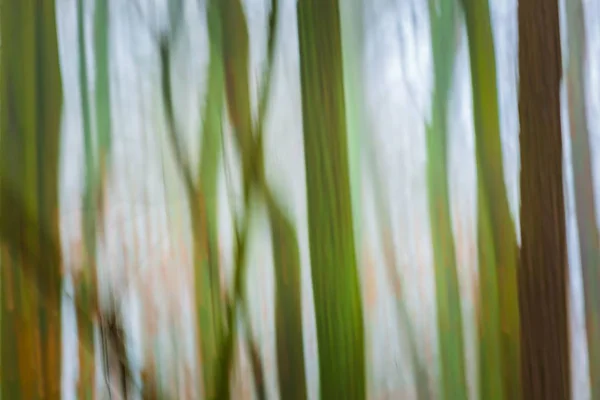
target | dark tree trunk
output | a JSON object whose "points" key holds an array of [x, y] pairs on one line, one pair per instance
{"points": [[543, 272]]}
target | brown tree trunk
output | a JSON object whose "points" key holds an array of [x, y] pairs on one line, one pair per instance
{"points": [[543, 272]]}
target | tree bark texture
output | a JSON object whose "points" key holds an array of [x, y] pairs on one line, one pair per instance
{"points": [[543, 274]]}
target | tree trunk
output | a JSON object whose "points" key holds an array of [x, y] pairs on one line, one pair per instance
{"points": [[286, 255], [543, 274], [498, 318], [336, 287], [85, 289], [209, 296], [449, 313], [288, 304], [202, 198]]}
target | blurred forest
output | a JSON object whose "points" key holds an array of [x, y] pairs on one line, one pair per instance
{"points": [[335, 199]]}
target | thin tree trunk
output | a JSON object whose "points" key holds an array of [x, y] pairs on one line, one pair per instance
{"points": [[202, 198], [103, 107], [543, 274], [104, 134], [589, 245], [288, 304], [449, 313], [498, 318], [208, 291], [286, 255], [85, 287], [336, 287]]}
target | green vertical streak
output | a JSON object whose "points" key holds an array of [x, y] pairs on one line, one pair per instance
{"points": [[103, 111], [288, 303], [28, 88], [351, 16], [236, 55], [338, 308], [208, 293], [12, 162], [86, 116], [31, 98], [584, 187], [86, 291], [31, 93], [226, 351], [498, 249], [49, 104], [2, 280], [16, 95], [28, 324], [202, 197], [286, 256], [449, 314], [11, 179], [490, 362]]}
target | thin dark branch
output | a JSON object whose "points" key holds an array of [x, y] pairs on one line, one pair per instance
{"points": [[268, 72], [254, 354], [180, 158], [52, 308]]}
